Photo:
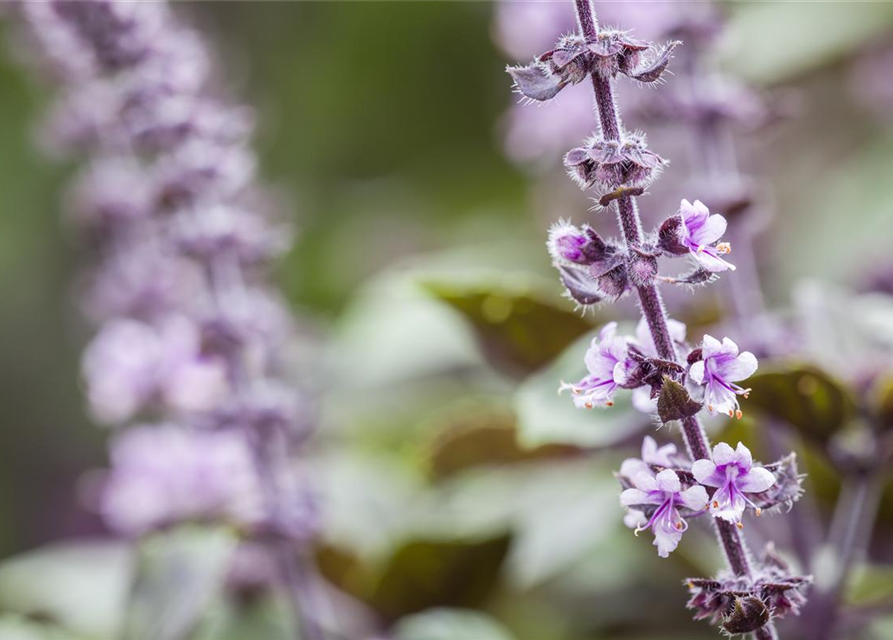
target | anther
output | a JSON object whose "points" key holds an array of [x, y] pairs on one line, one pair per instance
{"points": [[723, 248]]}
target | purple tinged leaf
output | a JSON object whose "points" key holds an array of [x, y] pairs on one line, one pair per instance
{"points": [[580, 285], [560, 58], [576, 157], [606, 152], [653, 71], [605, 46], [699, 276], [674, 402], [535, 82]]}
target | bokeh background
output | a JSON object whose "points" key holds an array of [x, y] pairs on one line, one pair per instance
{"points": [[435, 335]]}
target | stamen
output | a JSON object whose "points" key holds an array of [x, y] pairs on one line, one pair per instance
{"points": [[746, 393], [716, 504], [758, 511], [723, 248], [739, 414], [609, 403], [740, 525], [731, 413], [588, 404]]}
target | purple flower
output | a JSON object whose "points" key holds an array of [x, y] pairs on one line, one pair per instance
{"points": [[699, 232], [665, 492], [608, 364], [164, 474], [733, 473], [130, 364], [719, 369], [651, 455]]}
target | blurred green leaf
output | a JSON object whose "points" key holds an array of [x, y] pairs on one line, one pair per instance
{"points": [[870, 584], [430, 573], [803, 396], [254, 620], [81, 586], [477, 434], [179, 573], [519, 325], [16, 628], [561, 518], [771, 42], [546, 417], [882, 403], [556, 510], [398, 333], [450, 624]]}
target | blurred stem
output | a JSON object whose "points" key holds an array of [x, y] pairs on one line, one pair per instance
{"points": [[850, 535], [228, 288], [804, 526], [653, 310], [715, 156]]}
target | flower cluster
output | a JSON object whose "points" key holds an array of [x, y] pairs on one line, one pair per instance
{"points": [[741, 604], [723, 487], [616, 362], [662, 490], [575, 58], [190, 334], [593, 269], [611, 164]]}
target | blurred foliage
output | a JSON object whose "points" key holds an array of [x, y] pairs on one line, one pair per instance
{"points": [[177, 575], [445, 624], [804, 397], [520, 326]]}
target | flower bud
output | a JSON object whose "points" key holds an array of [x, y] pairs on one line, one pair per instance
{"points": [[669, 236], [568, 243], [747, 614]]}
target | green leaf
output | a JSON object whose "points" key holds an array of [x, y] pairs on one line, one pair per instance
{"points": [[81, 586], [558, 511], [881, 398], [546, 417], [16, 628], [803, 396], [771, 42], [869, 585], [263, 619], [478, 434], [179, 573], [450, 624], [429, 573], [674, 402], [520, 323]]}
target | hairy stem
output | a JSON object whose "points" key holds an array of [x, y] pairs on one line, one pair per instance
{"points": [[652, 306]]}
